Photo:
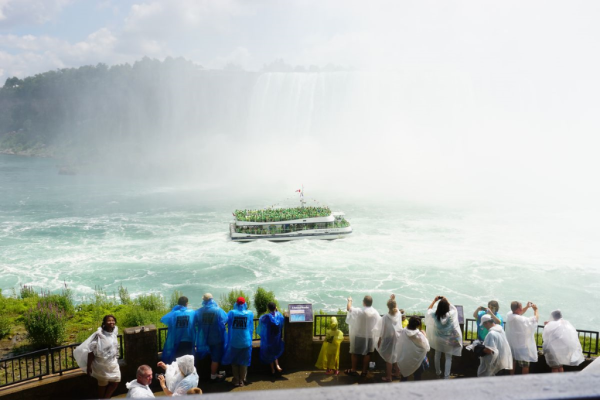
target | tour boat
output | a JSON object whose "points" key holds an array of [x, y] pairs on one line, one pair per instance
{"points": [[283, 224]]}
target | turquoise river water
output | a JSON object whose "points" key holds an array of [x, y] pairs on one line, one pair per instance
{"points": [[103, 231]]}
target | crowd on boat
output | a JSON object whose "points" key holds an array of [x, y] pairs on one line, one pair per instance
{"points": [[288, 228], [281, 214], [502, 344]]}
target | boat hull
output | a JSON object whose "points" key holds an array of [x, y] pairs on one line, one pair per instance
{"points": [[322, 234]]}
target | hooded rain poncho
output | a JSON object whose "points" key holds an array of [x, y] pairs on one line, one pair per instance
{"points": [[412, 350], [210, 321], [561, 344], [361, 322], [190, 378], [271, 342], [501, 358], [180, 322], [105, 347], [329, 357], [138, 391], [444, 334], [385, 335], [240, 322], [520, 333]]}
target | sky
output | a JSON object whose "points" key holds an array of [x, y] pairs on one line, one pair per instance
{"points": [[540, 36]]}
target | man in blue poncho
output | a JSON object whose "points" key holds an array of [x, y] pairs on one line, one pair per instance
{"points": [[240, 322], [180, 336], [210, 321], [271, 342]]}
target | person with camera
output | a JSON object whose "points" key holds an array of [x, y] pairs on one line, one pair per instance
{"points": [[496, 355], [443, 333], [180, 376], [520, 332], [492, 310], [139, 387], [361, 322]]}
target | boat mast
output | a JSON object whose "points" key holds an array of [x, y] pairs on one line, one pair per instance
{"points": [[302, 201]]}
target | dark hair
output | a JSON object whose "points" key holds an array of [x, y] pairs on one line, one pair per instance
{"points": [[105, 320], [494, 304], [368, 300], [442, 309], [514, 306], [414, 323], [183, 301], [271, 306]]}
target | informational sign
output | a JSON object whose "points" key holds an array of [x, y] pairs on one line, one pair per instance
{"points": [[301, 312], [461, 314]]}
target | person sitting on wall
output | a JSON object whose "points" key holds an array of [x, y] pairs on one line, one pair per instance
{"points": [[561, 343], [329, 357], [491, 310], [184, 376], [98, 357], [496, 353], [139, 387], [180, 333], [412, 350], [361, 322], [240, 322], [270, 327], [520, 332], [209, 321]]}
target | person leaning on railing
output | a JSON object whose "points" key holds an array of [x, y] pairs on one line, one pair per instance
{"points": [[561, 343]]}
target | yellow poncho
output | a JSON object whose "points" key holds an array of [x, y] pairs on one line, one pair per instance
{"points": [[329, 357]]}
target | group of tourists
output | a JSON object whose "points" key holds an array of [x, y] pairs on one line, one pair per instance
{"points": [[281, 214], [192, 335], [501, 346]]}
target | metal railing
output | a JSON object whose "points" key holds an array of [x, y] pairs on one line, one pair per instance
{"points": [[321, 323], [588, 339], [40, 363]]}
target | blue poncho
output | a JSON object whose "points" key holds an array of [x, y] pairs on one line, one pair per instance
{"points": [[210, 321], [271, 342], [240, 323], [180, 322]]}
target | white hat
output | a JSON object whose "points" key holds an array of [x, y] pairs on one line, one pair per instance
{"points": [[486, 318]]}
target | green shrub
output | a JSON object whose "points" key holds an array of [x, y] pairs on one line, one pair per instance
{"points": [[64, 300], [226, 301], [151, 302], [45, 324], [175, 298], [124, 295], [262, 298], [5, 326], [27, 292]]}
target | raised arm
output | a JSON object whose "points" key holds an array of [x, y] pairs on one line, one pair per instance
{"points": [[476, 312], [434, 301], [349, 305], [496, 319], [535, 311]]}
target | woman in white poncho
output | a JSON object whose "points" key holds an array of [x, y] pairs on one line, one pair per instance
{"points": [[98, 357], [180, 376], [561, 343], [385, 334], [412, 349], [443, 333]]}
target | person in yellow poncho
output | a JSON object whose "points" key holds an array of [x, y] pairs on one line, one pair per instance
{"points": [[329, 357]]}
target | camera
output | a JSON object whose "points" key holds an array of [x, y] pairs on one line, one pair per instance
{"points": [[157, 375]]}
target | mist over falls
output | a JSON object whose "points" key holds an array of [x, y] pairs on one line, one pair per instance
{"points": [[419, 132]]}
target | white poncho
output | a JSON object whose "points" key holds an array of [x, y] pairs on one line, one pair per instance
{"points": [[387, 330], [501, 358], [105, 347], [361, 322], [138, 391], [412, 349], [520, 333], [561, 344], [444, 335]]}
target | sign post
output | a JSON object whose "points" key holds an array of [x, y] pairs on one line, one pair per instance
{"points": [[301, 313]]}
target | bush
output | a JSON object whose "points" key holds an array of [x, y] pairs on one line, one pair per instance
{"points": [[151, 302], [124, 295], [175, 298], [45, 324], [262, 298], [27, 292], [64, 300], [5, 326], [226, 301]]}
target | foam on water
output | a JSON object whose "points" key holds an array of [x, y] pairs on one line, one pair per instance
{"points": [[157, 240]]}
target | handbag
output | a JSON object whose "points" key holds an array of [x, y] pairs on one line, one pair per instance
{"points": [[425, 363]]}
